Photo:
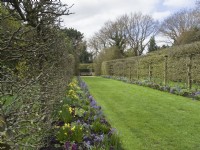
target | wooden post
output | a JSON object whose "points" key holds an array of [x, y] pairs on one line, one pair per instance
{"points": [[189, 71], [165, 70], [150, 71], [123, 70], [130, 73], [110, 69], [138, 70]]}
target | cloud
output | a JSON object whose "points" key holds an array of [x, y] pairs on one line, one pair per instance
{"points": [[90, 15], [179, 3], [161, 15]]}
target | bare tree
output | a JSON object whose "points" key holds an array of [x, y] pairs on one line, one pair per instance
{"points": [[111, 34], [139, 29], [40, 12], [115, 34], [126, 31], [94, 45], [179, 23]]}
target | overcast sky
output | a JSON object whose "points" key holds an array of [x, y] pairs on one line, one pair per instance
{"points": [[90, 15]]}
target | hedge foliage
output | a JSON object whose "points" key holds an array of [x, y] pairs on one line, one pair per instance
{"points": [[177, 63], [86, 69], [36, 66]]}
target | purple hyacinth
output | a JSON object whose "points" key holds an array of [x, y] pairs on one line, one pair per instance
{"points": [[67, 145], [92, 101], [83, 85], [197, 93], [172, 90], [112, 131], [54, 140], [99, 138], [88, 143], [90, 98], [60, 123], [74, 147]]}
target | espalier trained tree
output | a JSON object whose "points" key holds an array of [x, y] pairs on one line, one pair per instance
{"points": [[35, 67]]}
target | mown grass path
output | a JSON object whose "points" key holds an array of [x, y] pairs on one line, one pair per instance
{"points": [[148, 119]]}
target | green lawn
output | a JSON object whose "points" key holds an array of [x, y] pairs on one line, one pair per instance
{"points": [[148, 119]]}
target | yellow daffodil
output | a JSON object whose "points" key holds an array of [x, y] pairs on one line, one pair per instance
{"points": [[57, 127], [66, 125], [75, 97], [73, 128], [70, 110]]}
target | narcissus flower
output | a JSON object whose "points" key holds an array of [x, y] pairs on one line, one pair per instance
{"points": [[70, 110], [73, 128]]}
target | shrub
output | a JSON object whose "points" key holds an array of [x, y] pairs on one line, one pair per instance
{"points": [[176, 58]]}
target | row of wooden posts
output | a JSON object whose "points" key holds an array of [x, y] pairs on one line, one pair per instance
{"points": [[189, 69], [165, 79]]}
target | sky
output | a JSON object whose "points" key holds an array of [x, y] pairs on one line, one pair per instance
{"points": [[90, 15]]}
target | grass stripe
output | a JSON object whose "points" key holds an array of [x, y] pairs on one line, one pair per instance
{"points": [[147, 118]]}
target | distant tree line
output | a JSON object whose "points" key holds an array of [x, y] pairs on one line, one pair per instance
{"points": [[78, 47], [126, 32], [133, 34]]}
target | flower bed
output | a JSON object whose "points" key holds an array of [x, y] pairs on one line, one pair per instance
{"points": [[81, 124], [178, 90]]}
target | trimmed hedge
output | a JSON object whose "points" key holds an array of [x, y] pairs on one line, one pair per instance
{"points": [[86, 69], [177, 63]]}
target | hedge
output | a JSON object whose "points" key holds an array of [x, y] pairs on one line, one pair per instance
{"points": [[177, 63], [86, 69]]}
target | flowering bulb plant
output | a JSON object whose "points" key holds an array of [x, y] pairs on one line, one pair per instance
{"points": [[81, 123]]}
